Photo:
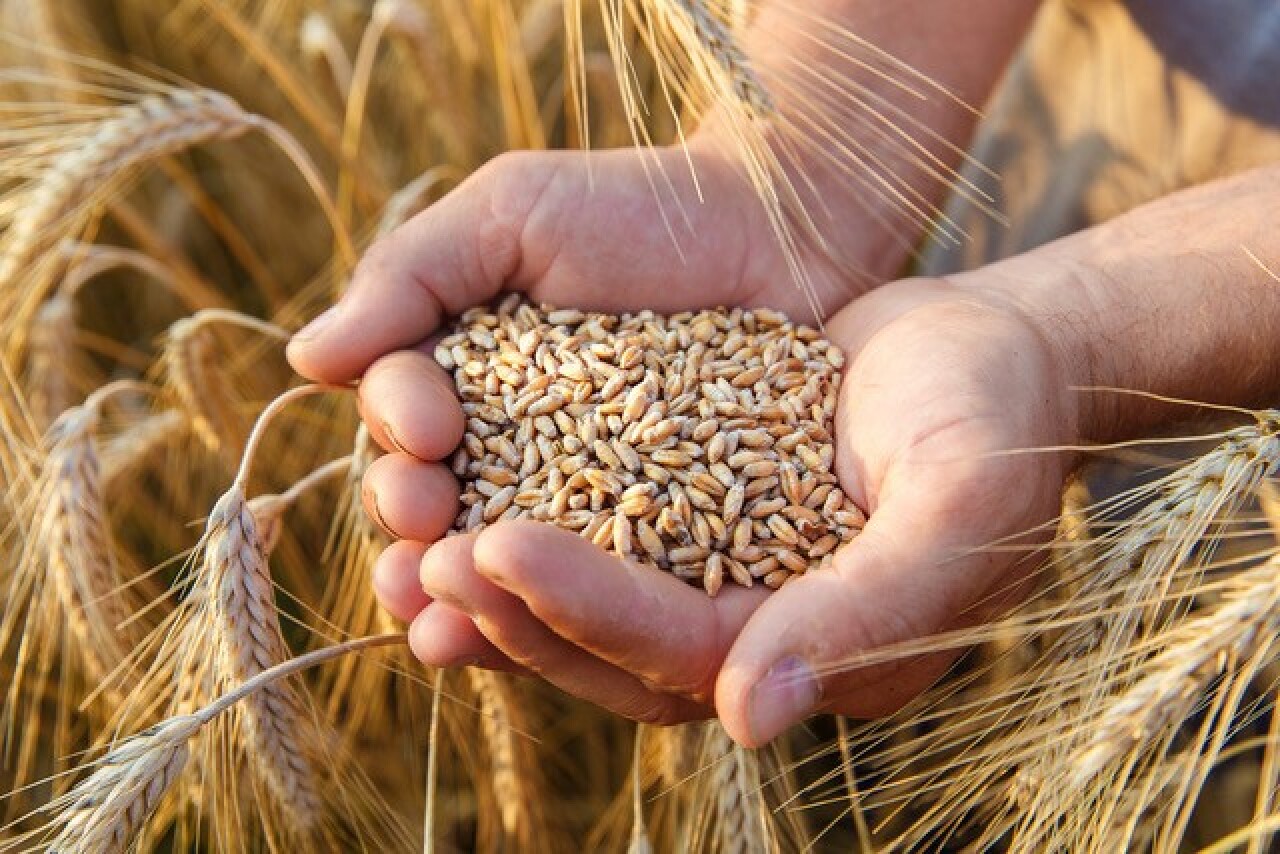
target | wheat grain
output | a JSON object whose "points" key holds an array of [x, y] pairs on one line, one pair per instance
{"points": [[640, 432]]}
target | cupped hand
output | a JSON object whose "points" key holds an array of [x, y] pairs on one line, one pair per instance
{"points": [[940, 381]]}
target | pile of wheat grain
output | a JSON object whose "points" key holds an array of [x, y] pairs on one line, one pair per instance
{"points": [[700, 444]]}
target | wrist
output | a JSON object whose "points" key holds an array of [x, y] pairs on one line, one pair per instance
{"points": [[1169, 301], [1056, 304]]}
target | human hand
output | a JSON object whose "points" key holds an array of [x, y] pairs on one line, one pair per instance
{"points": [[940, 380]]}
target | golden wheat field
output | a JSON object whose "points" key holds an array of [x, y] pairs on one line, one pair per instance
{"points": [[193, 657]]}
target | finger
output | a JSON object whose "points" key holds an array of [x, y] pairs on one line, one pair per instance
{"points": [[573, 229], [410, 500], [646, 622], [449, 574], [395, 580], [904, 577], [443, 636], [411, 406]]}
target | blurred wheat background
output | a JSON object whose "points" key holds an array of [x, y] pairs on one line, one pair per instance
{"points": [[183, 183]]}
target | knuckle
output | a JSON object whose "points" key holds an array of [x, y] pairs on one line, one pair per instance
{"points": [[650, 709]]}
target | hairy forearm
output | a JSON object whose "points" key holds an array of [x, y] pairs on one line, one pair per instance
{"points": [[1171, 299]]}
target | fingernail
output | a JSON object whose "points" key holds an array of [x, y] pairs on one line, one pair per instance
{"points": [[371, 496], [787, 693], [317, 326]]}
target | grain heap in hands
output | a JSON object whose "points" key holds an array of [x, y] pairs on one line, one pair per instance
{"points": [[699, 443]]}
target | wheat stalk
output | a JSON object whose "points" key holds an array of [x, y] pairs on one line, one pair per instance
{"points": [[640, 843]]}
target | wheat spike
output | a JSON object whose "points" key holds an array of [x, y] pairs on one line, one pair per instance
{"points": [[1124, 603], [54, 205], [65, 605], [273, 721], [196, 372], [513, 773], [710, 32], [741, 823], [106, 810], [139, 445], [53, 353], [321, 45], [82, 562], [1189, 658]]}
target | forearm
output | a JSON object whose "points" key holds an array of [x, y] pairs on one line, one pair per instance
{"points": [[876, 100], [1166, 299]]}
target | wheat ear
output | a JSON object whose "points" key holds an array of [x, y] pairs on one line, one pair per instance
{"points": [[741, 817], [138, 446], [718, 42], [106, 810], [65, 598], [272, 722], [82, 560], [512, 771], [152, 127], [109, 808], [323, 48], [1244, 623], [195, 371], [53, 353]]}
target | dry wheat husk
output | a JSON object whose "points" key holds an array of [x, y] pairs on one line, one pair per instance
{"points": [[700, 444]]}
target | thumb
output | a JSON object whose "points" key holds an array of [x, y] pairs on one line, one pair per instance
{"points": [[906, 576], [457, 253]]}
